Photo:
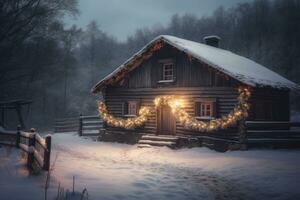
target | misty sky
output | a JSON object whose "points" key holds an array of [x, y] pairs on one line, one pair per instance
{"points": [[121, 18]]}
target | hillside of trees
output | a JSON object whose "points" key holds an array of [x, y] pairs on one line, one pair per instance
{"points": [[55, 66]]}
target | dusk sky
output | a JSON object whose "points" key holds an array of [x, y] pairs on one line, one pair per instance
{"points": [[121, 18]]}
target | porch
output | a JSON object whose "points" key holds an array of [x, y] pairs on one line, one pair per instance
{"points": [[251, 134]]}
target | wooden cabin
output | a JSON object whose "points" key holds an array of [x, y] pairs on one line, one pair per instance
{"points": [[205, 76]]}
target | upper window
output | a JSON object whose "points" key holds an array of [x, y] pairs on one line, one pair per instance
{"points": [[168, 71]]}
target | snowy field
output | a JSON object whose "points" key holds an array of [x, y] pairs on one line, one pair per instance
{"points": [[119, 171]]}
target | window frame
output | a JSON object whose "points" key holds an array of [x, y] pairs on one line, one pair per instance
{"points": [[206, 109], [128, 106], [208, 103], [164, 70]]}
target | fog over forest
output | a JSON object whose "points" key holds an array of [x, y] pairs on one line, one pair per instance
{"points": [[55, 66]]}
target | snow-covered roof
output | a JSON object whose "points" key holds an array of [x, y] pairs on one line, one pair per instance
{"points": [[238, 67]]}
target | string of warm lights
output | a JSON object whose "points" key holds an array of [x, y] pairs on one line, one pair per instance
{"points": [[128, 123], [176, 104]]}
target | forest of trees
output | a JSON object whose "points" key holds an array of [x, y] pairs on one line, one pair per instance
{"points": [[55, 66]]}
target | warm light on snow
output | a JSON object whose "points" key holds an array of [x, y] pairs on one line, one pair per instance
{"points": [[119, 171]]}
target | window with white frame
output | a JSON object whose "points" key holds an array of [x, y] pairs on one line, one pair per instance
{"points": [[205, 108], [130, 108], [168, 71]]}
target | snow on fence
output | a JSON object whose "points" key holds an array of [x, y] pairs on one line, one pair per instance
{"points": [[38, 148], [85, 125]]}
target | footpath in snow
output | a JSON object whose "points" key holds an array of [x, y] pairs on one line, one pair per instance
{"points": [[119, 171]]}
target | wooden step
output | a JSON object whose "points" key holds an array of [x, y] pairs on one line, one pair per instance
{"points": [[157, 140], [160, 138], [157, 143]]}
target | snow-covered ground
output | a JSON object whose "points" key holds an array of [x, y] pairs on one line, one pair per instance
{"points": [[119, 171]]}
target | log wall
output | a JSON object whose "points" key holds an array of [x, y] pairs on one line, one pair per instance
{"points": [[192, 79], [115, 97]]}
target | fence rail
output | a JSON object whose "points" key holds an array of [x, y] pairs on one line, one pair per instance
{"points": [[38, 148], [271, 125], [84, 125], [274, 133]]}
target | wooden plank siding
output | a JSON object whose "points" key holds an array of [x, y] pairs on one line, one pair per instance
{"points": [[192, 79], [115, 97], [278, 100], [187, 73]]}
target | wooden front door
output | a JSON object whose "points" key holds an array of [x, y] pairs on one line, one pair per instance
{"points": [[166, 123]]}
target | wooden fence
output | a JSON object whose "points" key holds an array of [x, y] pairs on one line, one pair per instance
{"points": [[84, 125], [272, 128], [38, 148], [66, 125], [272, 132]]}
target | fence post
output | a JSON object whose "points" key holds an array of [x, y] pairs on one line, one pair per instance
{"points": [[31, 145], [80, 125], [47, 153], [18, 139], [242, 128]]}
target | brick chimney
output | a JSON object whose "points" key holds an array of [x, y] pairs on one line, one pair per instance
{"points": [[212, 40]]}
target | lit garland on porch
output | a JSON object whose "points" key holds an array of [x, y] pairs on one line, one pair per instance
{"points": [[123, 123], [176, 104]]}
